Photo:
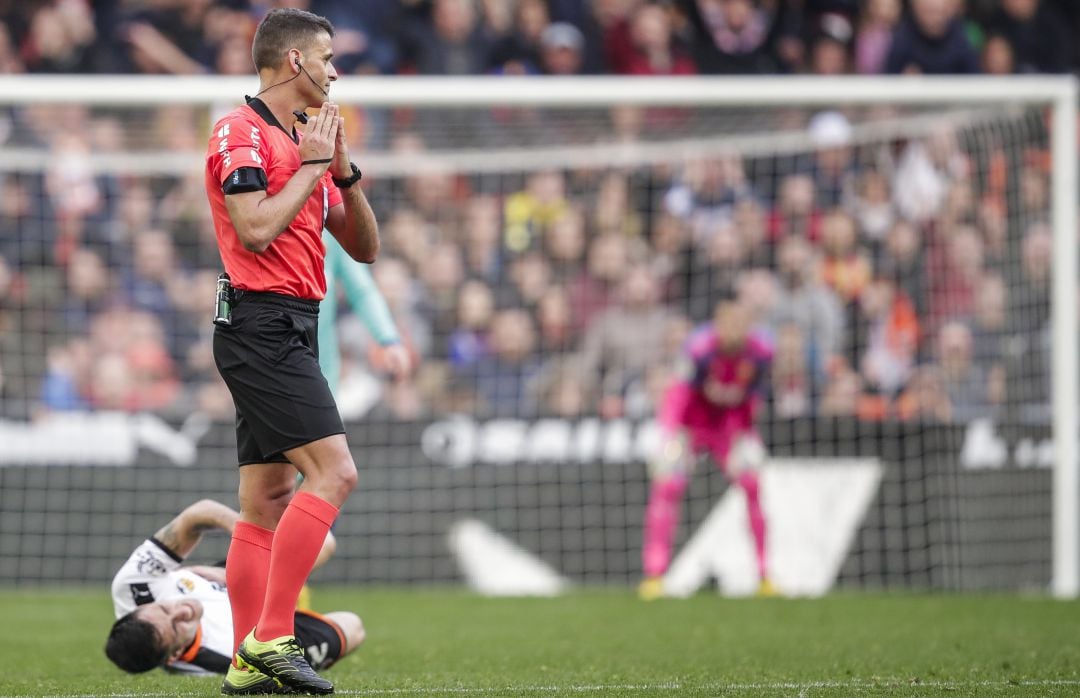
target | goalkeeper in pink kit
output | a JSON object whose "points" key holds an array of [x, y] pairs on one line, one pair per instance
{"points": [[709, 409]]}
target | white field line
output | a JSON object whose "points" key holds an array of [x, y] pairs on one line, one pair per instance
{"points": [[910, 684]]}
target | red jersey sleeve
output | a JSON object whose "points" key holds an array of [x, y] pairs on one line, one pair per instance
{"points": [[333, 194], [240, 143]]}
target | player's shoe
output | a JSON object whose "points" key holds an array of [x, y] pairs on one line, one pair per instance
{"points": [[249, 682], [283, 659], [303, 601], [651, 589], [767, 590]]}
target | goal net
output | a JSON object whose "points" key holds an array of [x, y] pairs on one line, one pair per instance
{"points": [[546, 251]]}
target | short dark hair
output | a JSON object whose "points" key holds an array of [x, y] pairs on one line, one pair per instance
{"points": [[134, 645], [282, 29]]}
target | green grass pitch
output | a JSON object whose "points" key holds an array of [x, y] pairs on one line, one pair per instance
{"points": [[606, 643]]}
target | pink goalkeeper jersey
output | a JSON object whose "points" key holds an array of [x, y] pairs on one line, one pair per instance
{"points": [[685, 403]]}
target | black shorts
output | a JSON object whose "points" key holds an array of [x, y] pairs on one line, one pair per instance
{"points": [[322, 639], [269, 358]]}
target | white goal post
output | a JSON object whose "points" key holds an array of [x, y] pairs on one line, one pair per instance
{"points": [[1057, 94]]}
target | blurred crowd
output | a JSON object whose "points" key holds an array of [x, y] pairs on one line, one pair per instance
{"points": [[907, 278], [556, 37]]}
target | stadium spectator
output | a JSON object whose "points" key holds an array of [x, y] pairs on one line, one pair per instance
{"points": [[830, 52], [530, 278], [842, 394], [64, 386], [442, 275], [625, 341], [468, 343], [1029, 319], [410, 237], [505, 381], [791, 389], [902, 260], [592, 291], [131, 367], [10, 62], [998, 57], [554, 319], [796, 213], [833, 166], [873, 38], [971, 392], [564, 245], [155, 284], [706, 192], [87, 290], [169, 39], [566, 391], [27, 221], [451, 41], [614, 211], [520, 53], [730, 36], [955, 265], [1031, 295], [845, 268], [892, 337], [530, 211], [805, 301], [562, 50], [60, 38], [873, 210], [925, 398], [404, 297], [925, 172], [713, 271], [654, 49], [1034, 201], [1036, 32], [481, 234], [990, 338], [751, 225], [931, 40]]}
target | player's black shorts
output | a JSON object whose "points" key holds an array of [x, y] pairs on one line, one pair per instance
{"points": [[322, 639], [269, 358]]}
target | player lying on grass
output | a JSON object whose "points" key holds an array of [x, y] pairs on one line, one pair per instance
{"points": [[709, 410], [178, 617]]}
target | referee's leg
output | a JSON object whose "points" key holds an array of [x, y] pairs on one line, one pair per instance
{"points": [[265, 491], [329, 477]]}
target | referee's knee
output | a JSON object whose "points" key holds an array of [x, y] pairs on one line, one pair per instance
{"points": [[339, 481], [348, 477]]}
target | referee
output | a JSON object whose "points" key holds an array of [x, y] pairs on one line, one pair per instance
{"points": [[271, 192]]}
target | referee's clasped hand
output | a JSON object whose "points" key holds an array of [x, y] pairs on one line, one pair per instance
{"points": [[321, 137]]}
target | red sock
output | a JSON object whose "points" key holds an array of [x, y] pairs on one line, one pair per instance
{"points": [[247, 567], [297, 542]]}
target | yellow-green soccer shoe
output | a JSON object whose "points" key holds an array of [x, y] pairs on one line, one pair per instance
{"points": [[282, 659]]}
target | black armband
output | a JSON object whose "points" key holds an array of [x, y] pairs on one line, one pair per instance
{"points": [[245, 179]]}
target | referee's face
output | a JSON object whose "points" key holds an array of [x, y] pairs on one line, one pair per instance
{"points": [[317, 62]]}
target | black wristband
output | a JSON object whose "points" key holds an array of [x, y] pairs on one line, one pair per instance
{"points": [[315, 162], [346, 182]]}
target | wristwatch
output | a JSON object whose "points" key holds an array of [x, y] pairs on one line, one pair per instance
{"points": [[346, 182]]}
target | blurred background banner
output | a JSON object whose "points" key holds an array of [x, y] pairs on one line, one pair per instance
{"points": [[932, 523]]}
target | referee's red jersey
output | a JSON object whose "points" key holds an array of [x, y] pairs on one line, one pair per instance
{"points": [[293, 264]]}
